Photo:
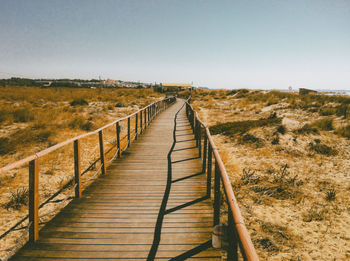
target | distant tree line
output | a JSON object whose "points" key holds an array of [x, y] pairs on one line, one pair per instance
{"points": [[18, 82]]}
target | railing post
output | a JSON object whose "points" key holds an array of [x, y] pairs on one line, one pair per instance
{"points": [[196, 132], [128, 132], [117, 127], [145, 121], [77, 168], [149, 114], [193, 122], [141, 130], [217, 195], [205, 153], [209, 169], [232, 251], [102, 152], [33, 200], [136, 120], [199, 139]]}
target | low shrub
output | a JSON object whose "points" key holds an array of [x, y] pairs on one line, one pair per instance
{"points": [[80, 123], [119, 104], [250, 138], [281, 129], [328, 111], [79, 101], [42, 135], [5, 146], [275, 141], [22, 137], [307, 129], [315, 213], [322, 149], [23, 115], [4, 115], [344, 131], [343, 110], [325, 124], [232, 128]]}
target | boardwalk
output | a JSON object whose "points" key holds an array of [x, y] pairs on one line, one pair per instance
{"points": [[142, 209]]}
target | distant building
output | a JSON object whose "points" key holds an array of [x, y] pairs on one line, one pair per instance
{"points": [[109, 82], [303, 91], [44, 83], [175, 87]]}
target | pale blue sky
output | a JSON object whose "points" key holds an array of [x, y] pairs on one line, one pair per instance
{"points": [[219, 44]]}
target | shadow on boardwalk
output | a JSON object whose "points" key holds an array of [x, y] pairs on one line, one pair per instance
{"points": [[151, 205]]}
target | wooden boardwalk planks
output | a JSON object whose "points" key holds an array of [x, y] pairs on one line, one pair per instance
{"points": [[117, 215]]}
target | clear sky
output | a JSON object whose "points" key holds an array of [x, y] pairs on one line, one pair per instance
{"points": [[213, 43]]}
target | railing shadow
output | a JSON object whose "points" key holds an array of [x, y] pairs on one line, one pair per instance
{"points": [[163, 209]]}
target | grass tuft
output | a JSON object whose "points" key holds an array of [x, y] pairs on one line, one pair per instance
{"points": [[79, 101], [330, 194], [18, 199]]}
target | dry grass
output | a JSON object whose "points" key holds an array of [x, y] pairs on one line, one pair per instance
{"points": [[33, 119], [290, 177]]}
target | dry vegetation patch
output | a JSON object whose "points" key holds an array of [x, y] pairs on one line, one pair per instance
{"points": [[33, 118], [288, 157]]}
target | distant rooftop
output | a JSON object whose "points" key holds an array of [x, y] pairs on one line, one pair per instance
{"points": [[184, 85]]}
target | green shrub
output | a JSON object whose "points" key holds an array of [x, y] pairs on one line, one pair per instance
{"points": [[281, 129], [343, 110], [275, 141], [328, 111], [307, 129], [344, 131], [42, 135], [324, 124], [119, 104], [80, 123], [23, 115], [5, 146], [79, 101], [232, 128], [322, 149], [250, 138], [4, 115]]}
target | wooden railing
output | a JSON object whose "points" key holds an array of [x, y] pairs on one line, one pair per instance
{"points": [[141, 119], [237, 231]]}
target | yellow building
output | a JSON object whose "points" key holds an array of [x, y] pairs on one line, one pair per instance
{"points": [[175, 87]]}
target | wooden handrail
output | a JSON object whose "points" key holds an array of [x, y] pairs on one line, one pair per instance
{"points": [[247, 248], [44, 152], [34, 163]]}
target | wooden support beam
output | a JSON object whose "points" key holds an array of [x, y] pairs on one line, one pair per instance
{"points": [[129, 132], [33, 200], [102, 153], [217, 195], [136, 121], [77, 168], [117, 127]]}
